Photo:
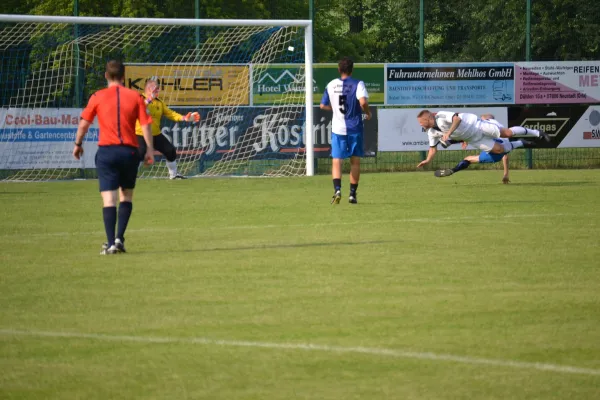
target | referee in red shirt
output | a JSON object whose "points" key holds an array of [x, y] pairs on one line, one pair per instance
{"points": [[117, 159]]}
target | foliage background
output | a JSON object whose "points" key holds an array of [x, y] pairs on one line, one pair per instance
{"points": [[389, 30]]}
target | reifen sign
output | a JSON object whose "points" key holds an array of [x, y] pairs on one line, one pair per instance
{"points": [[557, 82]]}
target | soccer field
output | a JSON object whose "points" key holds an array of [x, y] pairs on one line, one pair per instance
{"points": [[455, 288]]}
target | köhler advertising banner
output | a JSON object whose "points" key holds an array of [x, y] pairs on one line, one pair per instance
{"points": [[209, 85]]}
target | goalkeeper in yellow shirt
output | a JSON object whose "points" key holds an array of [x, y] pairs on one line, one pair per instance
{"points": [[158, 109]]}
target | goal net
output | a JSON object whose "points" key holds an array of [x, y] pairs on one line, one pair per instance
{"points": [[250, 81]]}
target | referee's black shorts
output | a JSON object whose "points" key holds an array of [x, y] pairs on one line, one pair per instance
{"points": [[117, 167]]}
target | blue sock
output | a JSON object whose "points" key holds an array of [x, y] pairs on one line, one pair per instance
{"points": [[464, 164], [125, 208], [353, 187], [337, 184], [110, 220]]}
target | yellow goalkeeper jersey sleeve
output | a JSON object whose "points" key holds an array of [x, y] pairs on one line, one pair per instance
{"points": [[157, 109]]}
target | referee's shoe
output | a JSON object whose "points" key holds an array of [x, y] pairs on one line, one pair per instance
{"points": [[108, 250], [120, 246]]}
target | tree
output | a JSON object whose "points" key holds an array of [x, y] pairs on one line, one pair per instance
{"points": [[388, 30], [565, 30]]}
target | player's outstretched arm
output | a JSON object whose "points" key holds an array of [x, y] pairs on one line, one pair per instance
{"points": [[432, 152], [175, 116], [191, 117]]}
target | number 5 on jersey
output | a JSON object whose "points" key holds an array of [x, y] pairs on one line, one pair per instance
{"points": [[343, 103]]}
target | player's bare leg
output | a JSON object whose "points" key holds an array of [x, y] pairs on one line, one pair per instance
{"points": [[506, 133], [336, 175]]}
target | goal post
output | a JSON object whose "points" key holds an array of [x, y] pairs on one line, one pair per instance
{"points": [[250, 80]]}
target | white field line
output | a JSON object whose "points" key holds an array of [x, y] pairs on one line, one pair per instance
{"points": [[427, 356], [506, 218]]}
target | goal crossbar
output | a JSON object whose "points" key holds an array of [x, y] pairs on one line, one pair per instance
{"points": [[153, 21]]}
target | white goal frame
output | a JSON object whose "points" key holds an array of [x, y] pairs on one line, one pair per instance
{"points": [[308, 52]]}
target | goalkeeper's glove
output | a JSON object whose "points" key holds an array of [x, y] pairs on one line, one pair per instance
{"points": [[192, 117]]}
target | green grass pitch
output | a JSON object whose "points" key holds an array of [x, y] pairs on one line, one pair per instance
{"points": [[454, 288]]}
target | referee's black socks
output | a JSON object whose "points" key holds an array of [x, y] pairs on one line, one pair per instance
{"points": [[110, 220], [125, 208]]}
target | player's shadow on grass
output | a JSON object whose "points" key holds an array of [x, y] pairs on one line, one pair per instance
{"points": [[555, 184], [277, 246], [495, 201], [1, 193]]}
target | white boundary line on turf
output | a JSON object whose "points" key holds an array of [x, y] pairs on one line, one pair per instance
{"points": [[565, 369], [496, 218]]}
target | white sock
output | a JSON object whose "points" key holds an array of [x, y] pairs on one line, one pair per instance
{"points": [[516, 144], [519, 130], [172, 167], [507, 146]]}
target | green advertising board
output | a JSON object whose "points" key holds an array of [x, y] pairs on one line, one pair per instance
{"points": [[272, 82], [373, 75]]}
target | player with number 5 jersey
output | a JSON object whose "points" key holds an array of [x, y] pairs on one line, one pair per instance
{"points": [[347, 98]]}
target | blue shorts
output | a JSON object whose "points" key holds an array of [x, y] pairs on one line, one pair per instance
{"points": [[486, 157], [117, 167], [344, 146]]}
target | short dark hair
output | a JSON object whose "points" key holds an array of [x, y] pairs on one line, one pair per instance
{"points": [[115, 70], [346, 65], [423, 113]]}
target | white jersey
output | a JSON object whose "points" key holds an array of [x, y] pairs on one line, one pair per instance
{"points": [[434, 136], [343, 95], [471, 126], [495, 122], [477, 140]]}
